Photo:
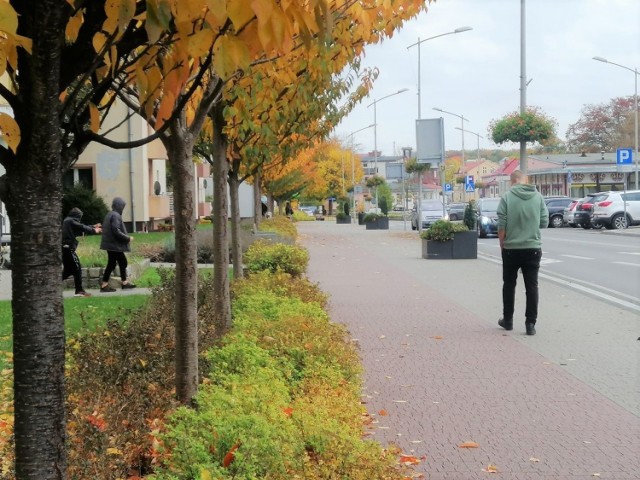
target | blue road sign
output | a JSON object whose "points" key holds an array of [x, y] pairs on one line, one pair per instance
{"points": [[624, 156], [469, 185], [447, 187]]}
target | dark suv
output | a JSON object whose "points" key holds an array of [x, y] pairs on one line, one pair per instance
{"points": [[556, 206], [583, 211], [487, 213]]}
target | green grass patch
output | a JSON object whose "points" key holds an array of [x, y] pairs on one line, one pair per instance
{"points": [[79, 313]]}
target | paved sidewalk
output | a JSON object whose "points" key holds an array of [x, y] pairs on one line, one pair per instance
{"points": [[563, 404]]}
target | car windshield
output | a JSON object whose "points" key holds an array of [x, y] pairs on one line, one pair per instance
{"points": [[490, 205], [433, 205]]}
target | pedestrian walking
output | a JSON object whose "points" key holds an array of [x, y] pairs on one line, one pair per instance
{"points": [[288, 210], [521, 214], [71, 228], [116, 242]]}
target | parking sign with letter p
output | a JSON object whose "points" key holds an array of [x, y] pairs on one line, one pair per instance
{"points": [[624, 156]]}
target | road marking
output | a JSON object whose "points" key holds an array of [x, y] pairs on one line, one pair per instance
{"points": [[548, 261], [593, 290], [629, 253], [577, 257], [628, 264]]}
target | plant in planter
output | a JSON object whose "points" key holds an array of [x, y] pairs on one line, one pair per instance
{"points": [[470, 218], [449, 240], [343, 218], [376, 221]]}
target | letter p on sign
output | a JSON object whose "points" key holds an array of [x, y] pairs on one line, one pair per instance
{"points": [[624, 156]]}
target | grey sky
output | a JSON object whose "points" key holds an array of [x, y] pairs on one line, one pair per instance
{"points": [[477, 73]]}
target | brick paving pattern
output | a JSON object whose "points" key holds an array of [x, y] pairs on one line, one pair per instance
{"points": [[445, 373]]}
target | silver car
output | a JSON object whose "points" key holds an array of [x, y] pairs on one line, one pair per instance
{"points": [[431, 210]]}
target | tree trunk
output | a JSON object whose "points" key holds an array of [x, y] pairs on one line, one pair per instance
{"points": [[33, 200], [220, 170], [257, 193], [236, 244], [179, 145]]}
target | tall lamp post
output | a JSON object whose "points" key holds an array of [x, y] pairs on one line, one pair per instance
{"points": [[375, 132], [353, 168], [635, 71], [462, 120], [478, 138], [457, 30]]}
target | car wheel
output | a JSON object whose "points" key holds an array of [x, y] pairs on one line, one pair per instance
{"points": [[453, 217], [619, 221], [597, 226], [556, 222], [481, 233], [573, 225], [586, 226]]}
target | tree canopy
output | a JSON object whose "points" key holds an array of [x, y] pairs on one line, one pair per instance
{"points": [[531, 126], [604, 126]]}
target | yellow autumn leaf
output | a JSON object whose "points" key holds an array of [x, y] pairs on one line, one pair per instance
{"points": [[205, 474], [200, 43], [99, 41], [8, 19], [240, 12], [94, 114], [3, 63], [468, 445], [158, 18], [223, 63], [166, 108], [113, 451], [9, 131], [73, 26]]}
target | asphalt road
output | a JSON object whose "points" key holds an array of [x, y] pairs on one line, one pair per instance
{"points": [[602, 263]]}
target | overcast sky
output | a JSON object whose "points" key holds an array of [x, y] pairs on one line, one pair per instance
{"points": [[476, 73]]}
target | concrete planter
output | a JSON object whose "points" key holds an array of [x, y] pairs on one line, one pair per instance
{"points": [[463, 246], [343, 221], [360, 218], [378, 224]]}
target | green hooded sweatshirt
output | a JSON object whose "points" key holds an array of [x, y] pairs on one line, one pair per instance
{"points": [[521, 214]]}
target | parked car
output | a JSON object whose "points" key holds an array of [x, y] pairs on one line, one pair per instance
{"points": [[556, 206], [487, 213], [456, 211], [431, 210], [568, 215], [583, 211], [609, 209], [309, 210]]}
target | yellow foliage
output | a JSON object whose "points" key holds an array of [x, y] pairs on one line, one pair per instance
{"points": [[9, 131]]}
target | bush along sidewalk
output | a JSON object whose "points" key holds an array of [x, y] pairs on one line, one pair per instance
{"points": [[279, 397]]}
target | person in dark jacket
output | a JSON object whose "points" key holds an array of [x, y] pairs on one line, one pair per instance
{"points": [[116, 242], [71, 228]]}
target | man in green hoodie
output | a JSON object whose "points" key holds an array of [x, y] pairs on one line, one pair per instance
{"points": [[521, 214]]}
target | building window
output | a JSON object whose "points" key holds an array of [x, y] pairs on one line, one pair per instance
{"points": [[80, 175]]}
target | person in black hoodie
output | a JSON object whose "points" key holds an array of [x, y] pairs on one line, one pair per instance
{"points": [[71, 228], [116, 242]]}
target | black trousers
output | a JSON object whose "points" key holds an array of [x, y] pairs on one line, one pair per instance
{"points": [[71, 266], [113, 258], [527, 260]]}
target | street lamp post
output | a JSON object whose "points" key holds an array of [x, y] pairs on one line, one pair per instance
{"points": [[635, 94], [353, 168], [375, 132], [462, 120], [478, 138], [457, 30]]}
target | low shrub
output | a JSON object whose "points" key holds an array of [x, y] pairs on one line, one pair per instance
{"points": [[300, 216], [341, 216], [281, 225], [281, 399], [372, 217], [470, 218], [443, 230], [274, 257]]}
